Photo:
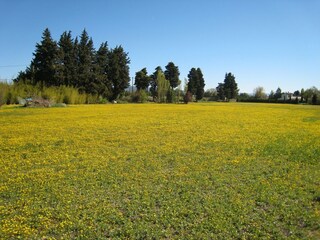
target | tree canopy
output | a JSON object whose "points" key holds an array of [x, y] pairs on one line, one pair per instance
{"points": [[196, 83], [229, 88], [76, 63], [172, 75]]}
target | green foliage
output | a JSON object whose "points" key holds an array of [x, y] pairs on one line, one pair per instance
{"points": [[76, 63], [4, 89], [163, 86], [230, 86], [172, 74], [118, 71], [142, 80], [228, 89], [211, 94], [259, 93], [220, 92], [45, 61], [153, 82], [278, 93], [188, 97], [139, 96], [196, 83], [172, 96], [86, 54], [13, 93], [102, 85], [192, 81], [67, 69]]}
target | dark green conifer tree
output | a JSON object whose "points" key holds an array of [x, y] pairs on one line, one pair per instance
{"points": [[102, 83], [200, 85], [172, 75], [67, 61], [86, 58], [118, 71], [153, 82], [142, 80], [192, 81], [230, 86], [45, 61]]}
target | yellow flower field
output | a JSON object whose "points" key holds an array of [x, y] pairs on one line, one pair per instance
{"points": [[196, 171]]}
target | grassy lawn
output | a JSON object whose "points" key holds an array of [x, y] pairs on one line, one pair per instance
{"points": [[196, 171]]}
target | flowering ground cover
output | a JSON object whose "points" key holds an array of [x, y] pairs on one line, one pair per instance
{"points": [[196, 171]]}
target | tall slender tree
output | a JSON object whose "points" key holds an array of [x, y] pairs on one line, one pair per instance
{"points": [[102, 83], [172, 74], [192, 81], [220, 91], [66, 69], [200, 86], [86, 59], [230, 86], [118, 71], [153, 82], [163, 86], [196, 83], [45, 60]]}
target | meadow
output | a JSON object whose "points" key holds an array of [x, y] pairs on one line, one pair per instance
{"points": [[160, 171]]}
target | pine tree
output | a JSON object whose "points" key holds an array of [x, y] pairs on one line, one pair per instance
{"points": [[118, 71], [45, 60], [172, 75]]}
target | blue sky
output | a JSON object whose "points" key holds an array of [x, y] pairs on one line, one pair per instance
{"points": [[274, 43]]}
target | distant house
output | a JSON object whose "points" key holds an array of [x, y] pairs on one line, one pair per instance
{"points": [[288, 97]]}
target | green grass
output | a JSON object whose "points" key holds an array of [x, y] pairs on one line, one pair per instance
{"points": [[196, 171]]}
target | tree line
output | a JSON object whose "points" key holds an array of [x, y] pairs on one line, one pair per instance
{"points": [[74, 62]]}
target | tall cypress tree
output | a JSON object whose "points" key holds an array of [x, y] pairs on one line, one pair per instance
{"points": [[196, 83], [45, 60], [66, 59], [102, 83], [230, 86], [200, 84], [85, 63], [192, 81], [153, 82], [118, 71], [172, 74]]}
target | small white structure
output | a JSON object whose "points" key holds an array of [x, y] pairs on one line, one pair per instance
{"points": [[288, 96]]}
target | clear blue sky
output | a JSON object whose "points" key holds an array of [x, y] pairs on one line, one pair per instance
{"points": [[263, 43]]}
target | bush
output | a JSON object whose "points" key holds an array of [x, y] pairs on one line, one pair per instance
{"points": [[188, 97], [13, 93], [4, 88], [139, 96]]}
